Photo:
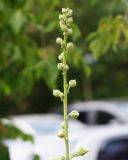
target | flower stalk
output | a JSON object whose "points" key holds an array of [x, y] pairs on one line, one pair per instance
{"points": [[65, 108], [65, 25]]}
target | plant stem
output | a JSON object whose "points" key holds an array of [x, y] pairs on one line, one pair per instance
{"points": [[65, 103]]}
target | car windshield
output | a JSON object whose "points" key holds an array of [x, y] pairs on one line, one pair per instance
{"points": [[45, 128], [122, 106]]}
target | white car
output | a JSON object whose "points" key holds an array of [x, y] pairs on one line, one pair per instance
{"points": [[105, 143], [101, 112], [100, 140], [47, 144]]}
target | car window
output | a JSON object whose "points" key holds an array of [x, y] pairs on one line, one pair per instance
{"points": [[104, 117], [83, 117], [114, 150]]}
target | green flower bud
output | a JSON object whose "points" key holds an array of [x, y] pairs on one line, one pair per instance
{"points": [[61, 17], [61, 56], [61, 133], [69, 31], [74, 114], [64, 10], [63, 125], [64, 28], [62, 66], [61, 22], [72, 83], [69, 12], [58, 93], [59, 41], [70, 46], [66, 67], [83, 151], [69, 20]]}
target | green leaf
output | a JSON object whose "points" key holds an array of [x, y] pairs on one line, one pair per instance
{"points": [[36, 157], [76, 32], [50, 72], [98, 47], [4, 153], [17, 20], [50, 27], [91, 36], [88, 70], [5, 88], [9, 131], [92, 2]]}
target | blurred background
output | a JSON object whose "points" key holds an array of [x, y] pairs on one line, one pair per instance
{"points": [[28, 74], [28, 53]]}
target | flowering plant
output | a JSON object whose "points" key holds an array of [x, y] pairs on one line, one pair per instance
{"points": [[65, 21]]}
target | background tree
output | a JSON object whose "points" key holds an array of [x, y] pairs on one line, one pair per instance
{"points": [[29, 54]]}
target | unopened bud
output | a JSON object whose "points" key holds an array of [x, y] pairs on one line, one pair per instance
{"points": [[61, 17], [61, 133], [64, 10], [72, 83], [74, 114], [69, 31], [70, 46], [59, 41], [58, 93], [62, 66], [63, 125], [61, 56], [63, 28], [69, 12], [61, 22], [83, 151], [69, 20]]}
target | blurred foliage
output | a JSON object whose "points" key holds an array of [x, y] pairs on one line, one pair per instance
{"points": [[28, 30], [36, 157], [111, 32], [9, 131], [4, 153]]}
